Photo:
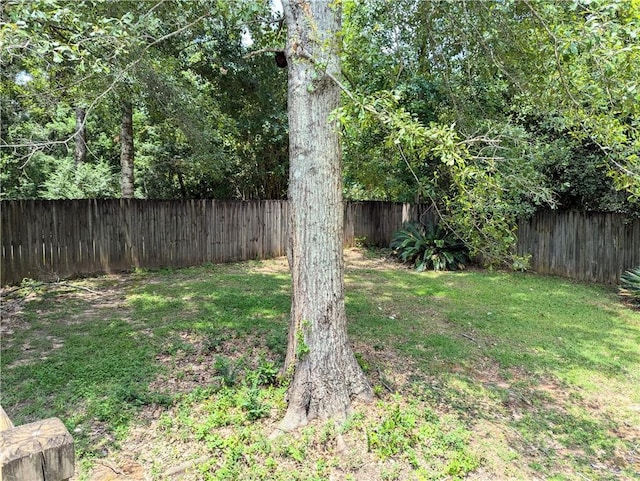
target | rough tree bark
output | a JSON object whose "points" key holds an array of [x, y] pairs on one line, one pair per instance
{"points": [[126, 151], [326, 376], [80, 153]]}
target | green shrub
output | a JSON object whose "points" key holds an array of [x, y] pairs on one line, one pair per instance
{"points": [[83, 181], [630, 284], [429, 247]]}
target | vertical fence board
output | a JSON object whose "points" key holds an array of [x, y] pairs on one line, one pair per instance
{"points": [[30, 245], [10, 268]]}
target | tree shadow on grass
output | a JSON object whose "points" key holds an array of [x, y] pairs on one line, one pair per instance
{"points": [[554, 363], [103, 372]]}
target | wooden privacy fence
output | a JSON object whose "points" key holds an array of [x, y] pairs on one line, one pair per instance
{"points": [[41, 239], [66, 238], [58, 239], [586, 246]]}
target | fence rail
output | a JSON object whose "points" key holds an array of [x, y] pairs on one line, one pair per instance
{"points": [[58, 239]]}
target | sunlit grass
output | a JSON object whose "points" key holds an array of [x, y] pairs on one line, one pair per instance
{"points": [[516, 374]]}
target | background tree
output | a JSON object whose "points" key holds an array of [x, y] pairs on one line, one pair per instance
{"points": [[130, 60], [127, 151], [488, 125], [57, 56], [80, 153]]}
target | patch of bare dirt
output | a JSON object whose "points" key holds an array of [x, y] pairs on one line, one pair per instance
{"points": [[278, 265], [187, 369], [108, 298], [357, 258], [354, 258], [536, 400], [126, 469]]}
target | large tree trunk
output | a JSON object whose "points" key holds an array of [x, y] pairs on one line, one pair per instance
{"points": [[80, 153], [326, 375], [126, 151]]}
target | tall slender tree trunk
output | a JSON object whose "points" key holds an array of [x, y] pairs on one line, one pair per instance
{"points": [[80, 153], [126, 151], [326, 375]]}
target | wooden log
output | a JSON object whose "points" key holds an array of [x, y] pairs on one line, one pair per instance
{"points": [[5, 422], [40, 451]]}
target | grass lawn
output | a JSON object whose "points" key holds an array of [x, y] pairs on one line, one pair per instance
{"points": [[478, 375]]}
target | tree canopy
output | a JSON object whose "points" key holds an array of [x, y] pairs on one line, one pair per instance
{"points": [[489, 110], [207, 121]]}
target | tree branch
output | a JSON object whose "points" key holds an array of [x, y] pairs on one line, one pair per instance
{"points": [[262, 50], [119, 77], [555, 51]]}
